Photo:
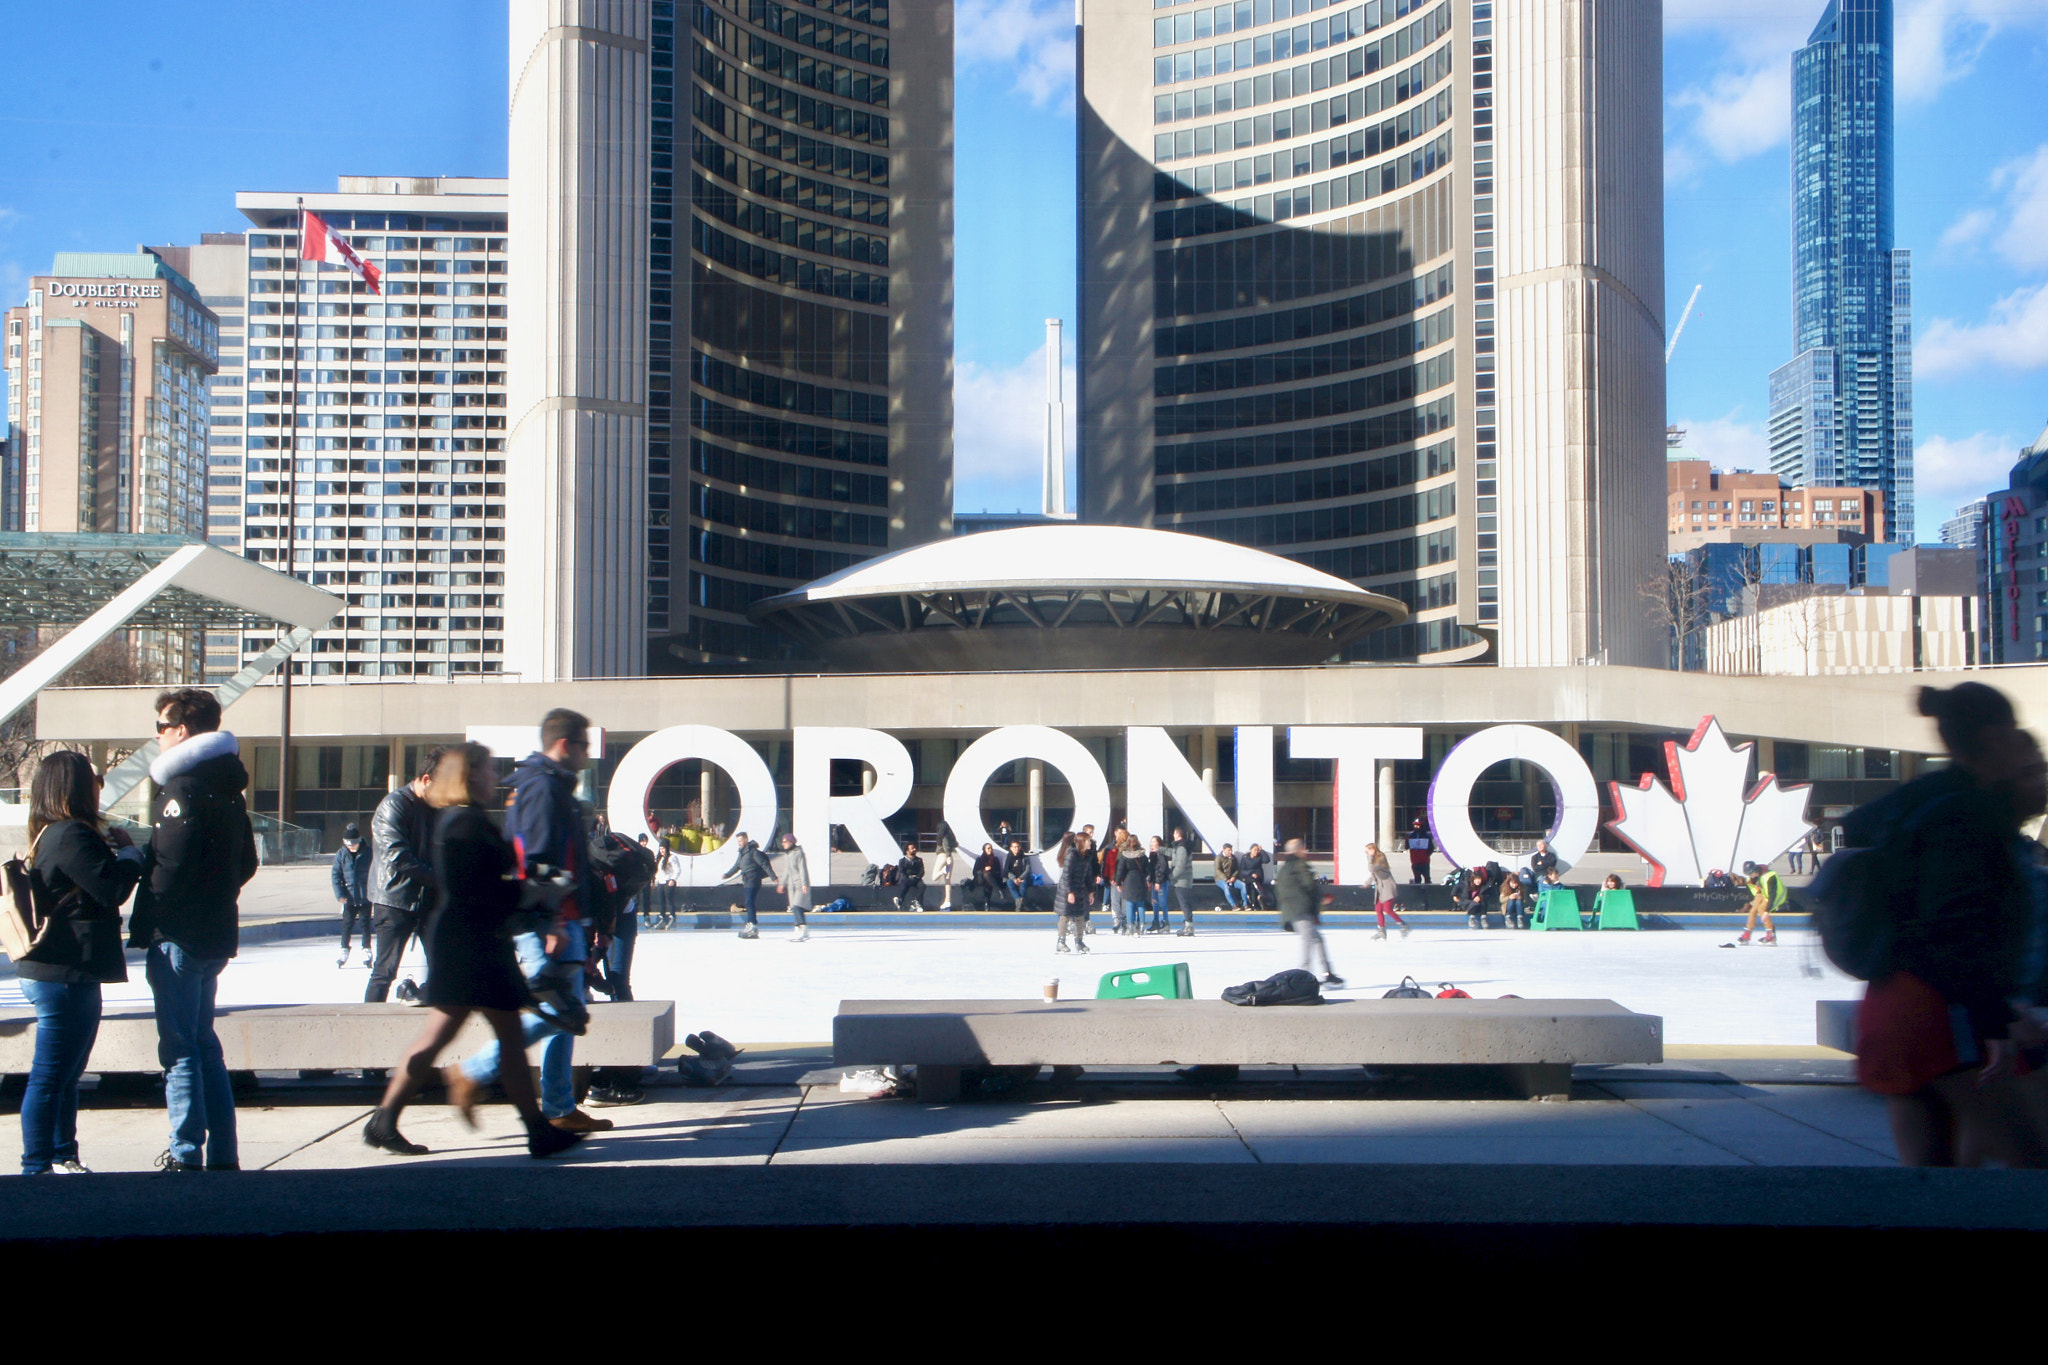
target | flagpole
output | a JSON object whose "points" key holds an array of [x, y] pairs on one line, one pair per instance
{"points": [[285, 804]]}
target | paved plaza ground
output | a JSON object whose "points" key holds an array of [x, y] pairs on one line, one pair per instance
{"points": [[1744, 1084]]}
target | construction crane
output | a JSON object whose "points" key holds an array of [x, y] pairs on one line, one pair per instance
{"points": [[1682, 319]]}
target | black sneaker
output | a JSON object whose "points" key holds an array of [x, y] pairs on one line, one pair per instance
{"points": [[1332, 979], [223, 1165], [544, 1139], [170, 1165], [614, 1096]]}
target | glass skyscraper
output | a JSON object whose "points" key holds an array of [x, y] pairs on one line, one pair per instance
{"points": [[1842, 408]]}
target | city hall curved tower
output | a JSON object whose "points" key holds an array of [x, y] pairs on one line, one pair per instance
{"points": [[1379, 287], [738, 328]]}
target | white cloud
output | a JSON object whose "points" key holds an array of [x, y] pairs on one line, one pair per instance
{"points": [[1947, 474], [1741, 113], [2014, 337], [1032, 39], [1726, 442], [1741, 104], [2025, 181], [1968, 230], [998, 434]]}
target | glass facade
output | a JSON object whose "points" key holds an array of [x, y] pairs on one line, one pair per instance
{"points": [[769, 326], [1304, 386], [1842, 409]]}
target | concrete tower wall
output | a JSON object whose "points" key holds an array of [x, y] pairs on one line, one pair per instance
{"points": [[576, 577]]}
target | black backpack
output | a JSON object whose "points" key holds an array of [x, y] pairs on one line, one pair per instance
{"points": [[1407, 990], [1291, 987], [619, 870], [1855, 899]]}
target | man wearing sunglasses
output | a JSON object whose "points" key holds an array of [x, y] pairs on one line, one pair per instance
{"points": [[187, 917]]}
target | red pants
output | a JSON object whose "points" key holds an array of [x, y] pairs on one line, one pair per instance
{"points": [[1385, 908]]}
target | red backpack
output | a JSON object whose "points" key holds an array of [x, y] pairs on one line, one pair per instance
{"points": [[1446, 991]]}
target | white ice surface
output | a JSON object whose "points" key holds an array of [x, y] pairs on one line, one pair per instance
{"points": [[772, 990]]}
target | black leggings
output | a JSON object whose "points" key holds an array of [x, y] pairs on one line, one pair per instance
{"points": [[350, 913]]}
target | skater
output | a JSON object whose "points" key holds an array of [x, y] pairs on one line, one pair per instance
{"points": [[81, 872], [668, 880], [476, 900], [948, 852], [350, 877], [751, 866], [987, 876], [1134, 881], [1228, 880], [1767, 898], [1080, 884], [1301, 910], [1112, 887], [796, 884], [1181, 876], [910, 878], [1159, 872], [1420, 846], [1384, 890]]}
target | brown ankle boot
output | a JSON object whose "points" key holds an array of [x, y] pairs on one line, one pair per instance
{"points": [[462, 1093]]}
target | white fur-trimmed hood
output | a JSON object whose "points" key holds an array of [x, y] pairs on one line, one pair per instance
{"points": [[192, 753]]}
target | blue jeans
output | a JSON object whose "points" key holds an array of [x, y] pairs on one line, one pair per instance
{"points": [[618, 959], [1233, 892], [196, 1089], [749, 893], [557, 1079], [1158, 907], [1017, 887], [67, 1022]]}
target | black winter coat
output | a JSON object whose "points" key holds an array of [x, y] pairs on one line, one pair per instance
{"points": [[1078, 877], [80, 882], [1963, 929], [350, 874], [988, 869], [400, 833], [202, 853]]}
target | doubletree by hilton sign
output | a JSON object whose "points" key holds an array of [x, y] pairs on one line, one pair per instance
{"points": [[1704, 820]]}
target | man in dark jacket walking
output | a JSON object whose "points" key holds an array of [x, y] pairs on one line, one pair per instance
{"points": [[401, 836], [350, 878], [187, 916], [1301, 909], [546, 828]]}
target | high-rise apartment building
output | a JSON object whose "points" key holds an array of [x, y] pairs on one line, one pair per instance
{"points": [[107, 367], [732, 372], [219, 268], [372, 435], [1379, 287], [1842, 407]]}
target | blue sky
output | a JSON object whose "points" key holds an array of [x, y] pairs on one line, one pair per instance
{"points": [[129, 122]]}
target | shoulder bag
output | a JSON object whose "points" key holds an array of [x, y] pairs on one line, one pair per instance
{"points": [[21, 928]]}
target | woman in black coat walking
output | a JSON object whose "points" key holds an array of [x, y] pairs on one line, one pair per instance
{"points": [[80, 874], [469, 941]]}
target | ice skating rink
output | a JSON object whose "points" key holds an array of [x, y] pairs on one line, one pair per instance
{"points": [[773, 990]]}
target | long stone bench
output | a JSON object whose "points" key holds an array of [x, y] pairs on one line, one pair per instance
{"points": [[331, 1037], [1834, 1024], [1534, 1043]]}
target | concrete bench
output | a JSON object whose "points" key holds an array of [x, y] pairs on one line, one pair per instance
{"points": [[1534, 1043], [331, 1037], [1834, 1024]]}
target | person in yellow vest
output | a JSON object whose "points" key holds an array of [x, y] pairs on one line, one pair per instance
{"points": [[1767, 897]]}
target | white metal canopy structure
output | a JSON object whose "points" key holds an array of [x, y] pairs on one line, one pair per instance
{"points": [[105, 583], [1049, 597]]}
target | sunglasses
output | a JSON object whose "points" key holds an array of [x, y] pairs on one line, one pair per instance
{"points": [[164, 725]]}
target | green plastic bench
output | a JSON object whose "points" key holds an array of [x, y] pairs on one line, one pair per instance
{"points": [[1167, 982], [1557, 908]]}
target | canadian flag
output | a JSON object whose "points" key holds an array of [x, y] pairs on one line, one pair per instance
{"points": [[319, 242]]}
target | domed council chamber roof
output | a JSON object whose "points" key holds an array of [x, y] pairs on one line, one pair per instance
{"points": [[1076, 597]]}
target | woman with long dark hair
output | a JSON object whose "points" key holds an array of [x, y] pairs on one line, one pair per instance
{"points": [[469, 941], [80, 874]]}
